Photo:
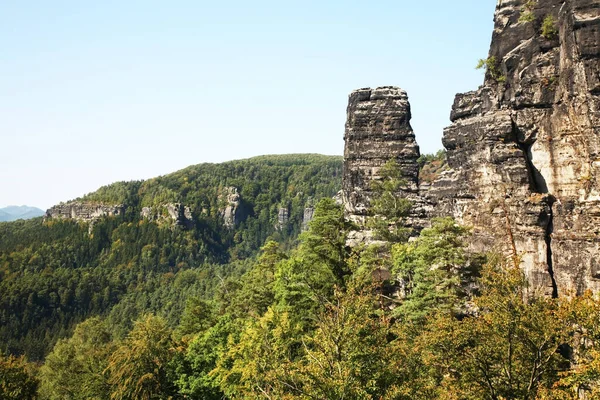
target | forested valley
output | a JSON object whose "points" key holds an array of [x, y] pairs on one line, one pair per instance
{"points": [[139, 309]]}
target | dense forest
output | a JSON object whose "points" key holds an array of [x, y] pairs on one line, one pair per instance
{"points": [[57, 273], [200, 315]]}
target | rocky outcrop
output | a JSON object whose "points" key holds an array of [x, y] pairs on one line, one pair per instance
{"points": [[283, 217], [523, 150], [175, 213], [84, 211], [377, 130], [309, 213], [231, 210]]}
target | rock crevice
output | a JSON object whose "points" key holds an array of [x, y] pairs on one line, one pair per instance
{"points": [[549, 255]]}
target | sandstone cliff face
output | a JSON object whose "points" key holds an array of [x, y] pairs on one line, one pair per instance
{"points": [[523, 150], [174, 213], [283, 217], [378, 130], [524, 147], [82, 211], [309, 213]]}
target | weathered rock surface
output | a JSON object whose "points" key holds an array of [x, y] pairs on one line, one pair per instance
{"points": [[232, 211], [175, 213], [283, 217], [309, 213], [524, 147], [377, 130], [523, 150], [84, 211]]}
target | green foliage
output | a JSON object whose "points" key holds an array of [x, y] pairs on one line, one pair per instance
{"points": [[198, 316], [387, 203], [305, 279], [17, 380], [252, 365], [253, 293], [349, 355], [509, 350], [193, 372], [325, 242], [388, 207], [492, 67], [115, 193], [283, 330], [307, 318], [527, 14], [139, 367], [435, 270], [263, 182], [431, 166], [549, 29], [583, 314], [54, 274], [423, 159], [75, 367]]}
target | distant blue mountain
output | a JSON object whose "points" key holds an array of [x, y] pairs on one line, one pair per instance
{"points": [[13, 213], [4, 216]]}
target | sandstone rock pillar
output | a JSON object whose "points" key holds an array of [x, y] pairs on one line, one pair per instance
{"points": [[377, 130]]}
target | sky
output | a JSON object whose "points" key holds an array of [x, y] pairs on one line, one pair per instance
{"points": [[97, 92]]}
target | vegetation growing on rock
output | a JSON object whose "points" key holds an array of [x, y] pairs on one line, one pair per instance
{"points": [[492, 67], [431, 166], [549, 29]]}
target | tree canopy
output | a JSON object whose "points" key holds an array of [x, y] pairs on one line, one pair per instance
{"points": [[136, 309]]}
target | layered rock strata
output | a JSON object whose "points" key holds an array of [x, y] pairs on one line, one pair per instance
{"points": [[283, 217], [84, 211], [377, 130], [309, 213], [523, 150]]}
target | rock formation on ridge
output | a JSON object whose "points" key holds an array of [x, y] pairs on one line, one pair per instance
{"points": [[309, 213], [175, 213], [84, 211], [231, 211], [283, 217]]}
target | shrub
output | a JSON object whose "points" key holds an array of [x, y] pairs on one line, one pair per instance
{"points": [[490, 65], [549, 29], [527, 14]]}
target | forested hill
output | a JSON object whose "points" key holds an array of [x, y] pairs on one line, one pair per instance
{"points": [[162, 312], [57, 272]]}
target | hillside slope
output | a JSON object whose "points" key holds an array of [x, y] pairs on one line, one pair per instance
{"points": [[58, 271]]}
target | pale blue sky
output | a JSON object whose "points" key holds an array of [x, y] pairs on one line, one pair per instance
{"points": [[96, 92]]}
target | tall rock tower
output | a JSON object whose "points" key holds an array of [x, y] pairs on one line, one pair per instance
{"points": [[377, 130]]}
